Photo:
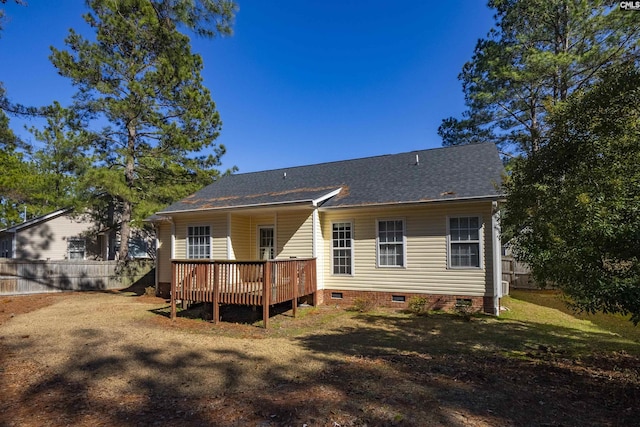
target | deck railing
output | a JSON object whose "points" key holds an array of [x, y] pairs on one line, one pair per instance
{"points": [[242, 282]]}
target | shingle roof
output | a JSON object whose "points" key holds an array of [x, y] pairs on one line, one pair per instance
{"points": [[459, 172]]}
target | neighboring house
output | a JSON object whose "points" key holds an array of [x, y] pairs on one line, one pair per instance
{"points": [[423, 223], [56, 236], [61, 235]]}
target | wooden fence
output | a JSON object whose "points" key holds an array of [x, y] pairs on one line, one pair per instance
{"points": [[21, 277], [517, 274]]}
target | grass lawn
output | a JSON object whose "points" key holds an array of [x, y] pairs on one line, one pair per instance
{"points": [[119, 360]]}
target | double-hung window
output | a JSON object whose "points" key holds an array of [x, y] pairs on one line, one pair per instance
{"points": [[391, 243], [342, 247], [464, 242], [5, 248], [199, 242], [76, 248]]}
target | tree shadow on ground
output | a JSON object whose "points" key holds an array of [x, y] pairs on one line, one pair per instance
{"points": [[505, 372], [230, 313], [385, 370]]}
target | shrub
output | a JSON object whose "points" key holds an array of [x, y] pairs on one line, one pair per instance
{"points": [[464, 307], [150, 291], [419, 306], [364, 304]]}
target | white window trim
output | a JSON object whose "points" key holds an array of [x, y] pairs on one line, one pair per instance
{"points": [[275, 239], [84, 252], [480, 242], [404, 242], [186, 240], [6, 245], [353, 266]]}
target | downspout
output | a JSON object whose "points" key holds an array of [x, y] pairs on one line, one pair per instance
{"points": [[157, 276], [497, 258], [314, 231], [173, 238]]}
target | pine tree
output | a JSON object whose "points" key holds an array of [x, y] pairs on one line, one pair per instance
{"points": [[538, 53], [140, 77]]}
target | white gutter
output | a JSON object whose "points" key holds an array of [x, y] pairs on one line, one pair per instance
{"points": [[415, 202], [325, 197], [224, 208]]}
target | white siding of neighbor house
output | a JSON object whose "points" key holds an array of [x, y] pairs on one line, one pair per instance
{"points": [[49, 240], [164, 252], [426, 269]]}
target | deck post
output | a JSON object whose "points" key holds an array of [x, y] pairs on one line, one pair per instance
{"points": [[216, 292], [173, 290], [296, 283], [266, 293]]}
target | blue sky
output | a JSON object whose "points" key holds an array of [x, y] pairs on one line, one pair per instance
{"points": [[299, 82]]}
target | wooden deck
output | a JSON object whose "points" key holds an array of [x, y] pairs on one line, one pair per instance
{"points": [[243, 283]]}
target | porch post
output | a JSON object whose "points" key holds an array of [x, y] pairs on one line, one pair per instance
{"points": [[266, 293], [216, 292], [296, 283], [174, 278]]}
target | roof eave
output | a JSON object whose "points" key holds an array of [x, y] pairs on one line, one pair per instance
{"points": [[35, 221], [498, 197], [235, 207]]}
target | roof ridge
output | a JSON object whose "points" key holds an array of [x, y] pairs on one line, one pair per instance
{"points": [[450, 147]]}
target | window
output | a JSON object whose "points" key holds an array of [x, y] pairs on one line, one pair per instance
{"points": [[199, 242], [5, 248], [341, 244], [391, 243], [76, 248], [138, 248], [464, 242]]}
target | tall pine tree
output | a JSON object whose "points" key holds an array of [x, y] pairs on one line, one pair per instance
{"points": [[140, 78], [538, 53]]}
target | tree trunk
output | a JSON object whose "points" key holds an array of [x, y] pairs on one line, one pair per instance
{"points": [[127, 205]]}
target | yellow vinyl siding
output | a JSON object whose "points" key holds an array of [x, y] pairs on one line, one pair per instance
{"points": [[294, 234], [218, 224], [240, 237], [426, 269]]}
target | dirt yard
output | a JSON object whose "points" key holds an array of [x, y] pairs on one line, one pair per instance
{"points": [[108, 359]]}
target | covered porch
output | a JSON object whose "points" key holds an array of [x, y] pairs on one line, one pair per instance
{"points": [[255, 283]]}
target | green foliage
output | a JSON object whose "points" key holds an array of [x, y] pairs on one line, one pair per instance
{"points": [[140, 77], [464, 308], [538, 53], [61, 162], [575, 204], [419, 306]]}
